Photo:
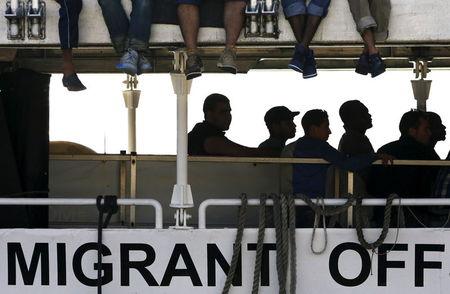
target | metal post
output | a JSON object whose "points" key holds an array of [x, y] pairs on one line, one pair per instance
{"points": [[123, 186], [182, 194], [133, 187], [350, 184], [131, 97]]}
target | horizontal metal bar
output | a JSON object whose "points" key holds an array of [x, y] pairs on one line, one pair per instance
{"points": [[172, 158], [328, 202], [87, 202]]}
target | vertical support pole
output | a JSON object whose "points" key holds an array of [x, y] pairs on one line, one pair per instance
{"points": [[182, 194], [350, 184], [122, 187], [131, 97], [133, 187]]}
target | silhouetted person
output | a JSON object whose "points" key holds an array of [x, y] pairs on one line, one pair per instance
{"points": [[68, 36], [208, 137], [407, 181], [357, 120], [372, 22], [438, 130], [280, 123], [304, 21], [310, 179], [189, 19]]}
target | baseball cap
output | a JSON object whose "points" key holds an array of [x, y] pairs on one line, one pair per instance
{"points": [[279, 113]]}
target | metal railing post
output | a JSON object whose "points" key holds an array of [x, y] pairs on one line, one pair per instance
{"points": [[350, 190]]}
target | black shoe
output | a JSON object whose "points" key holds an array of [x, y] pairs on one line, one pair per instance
{"points": [[376, 65], [362, 66], [73, 83], [194, 66]]}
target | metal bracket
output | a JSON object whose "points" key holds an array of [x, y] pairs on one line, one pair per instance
{"points": [[36, 20], [262, 19], [179, 61], [16, 20], [421, 87], [131, 82]]}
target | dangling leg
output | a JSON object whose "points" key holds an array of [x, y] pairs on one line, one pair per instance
{"points": [[68, 35], [189, 19], [234, 18]]}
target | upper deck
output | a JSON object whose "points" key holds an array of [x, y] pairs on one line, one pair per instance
{"points": [[417, 28]]}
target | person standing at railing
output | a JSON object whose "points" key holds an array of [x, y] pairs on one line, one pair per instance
{"points": [[189, 19], [357, 120], [372, 22], [208, 137], [68, 35], [304, 21], [129, 37], [310, 179], [407, 181], [280, 123]]}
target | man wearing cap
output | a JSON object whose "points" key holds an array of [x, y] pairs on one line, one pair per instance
{"points": [[280, 123]]}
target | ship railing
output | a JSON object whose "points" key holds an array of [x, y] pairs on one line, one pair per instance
{"points": [[327, 202], [87, 202], [134, 159]]}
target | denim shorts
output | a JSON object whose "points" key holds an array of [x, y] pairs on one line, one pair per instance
{"points": [[298, 7], [197, 2]]}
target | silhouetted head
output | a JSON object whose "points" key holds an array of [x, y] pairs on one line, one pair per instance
{"points": [[217, 111], [316, 125], [280, 122], [355, 116], [415, 124], [438, 130]]}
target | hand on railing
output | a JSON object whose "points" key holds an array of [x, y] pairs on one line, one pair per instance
{"points": [[386, 158]]}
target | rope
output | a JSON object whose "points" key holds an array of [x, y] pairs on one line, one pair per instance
{"points": [[284, 220], [237, 244], [293, 245], [316, 224], [386, 223], [260, 243], [277, 216]]}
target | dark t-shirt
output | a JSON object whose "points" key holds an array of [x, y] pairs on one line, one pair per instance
{"points": [[198, 135], [274, 144]]}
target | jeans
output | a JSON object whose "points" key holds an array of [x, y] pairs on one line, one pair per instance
{"points": [[124, 33], [371, 14], [68, 22], [298, 7]]}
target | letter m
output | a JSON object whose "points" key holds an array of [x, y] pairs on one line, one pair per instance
{"points": [[40, 252]]}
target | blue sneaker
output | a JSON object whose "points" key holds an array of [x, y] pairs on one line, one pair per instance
{"points": [[129, 62], [376, 64], [298, 59], [362, 66], [144, 65], [309, 69]]}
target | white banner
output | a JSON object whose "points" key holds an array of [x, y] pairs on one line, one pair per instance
{"points": [[169, 261]]}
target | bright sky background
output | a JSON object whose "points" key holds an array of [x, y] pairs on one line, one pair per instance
{"points": [[97, 117]]}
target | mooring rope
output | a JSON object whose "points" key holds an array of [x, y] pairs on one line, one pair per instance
{"points": [[237, 244], [260, 243]]}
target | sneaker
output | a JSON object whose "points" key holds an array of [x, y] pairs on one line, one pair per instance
{"points": [[144, 65], [362, 66], [298, 59], [376, 65], [73, 83], [227, 61], [129, 62], [194, 66], [309, 69]]}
